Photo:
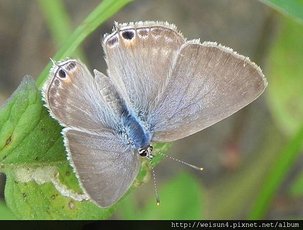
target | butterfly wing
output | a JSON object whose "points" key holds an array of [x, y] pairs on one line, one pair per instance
{"points": [[139, 57], [74, 98], [208, 83], [90, 108], [105, 167]]}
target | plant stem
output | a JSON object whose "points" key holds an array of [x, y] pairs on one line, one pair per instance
{"points": [[283, 163], [102, 12]]}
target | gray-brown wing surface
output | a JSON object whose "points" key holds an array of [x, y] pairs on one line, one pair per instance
{"points": [[105, 166], [75, 99], [139, 57], [208, 83]]}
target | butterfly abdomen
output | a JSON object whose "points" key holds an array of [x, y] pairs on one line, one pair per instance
{"points": [[138, 137]]}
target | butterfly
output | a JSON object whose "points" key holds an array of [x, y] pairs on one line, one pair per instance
{"points": [[159, 87]]}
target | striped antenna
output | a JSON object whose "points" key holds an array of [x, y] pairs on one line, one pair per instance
{"points": [[155, 186], [182, 162]]}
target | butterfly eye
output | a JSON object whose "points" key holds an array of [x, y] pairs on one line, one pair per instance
{"points": [[146, 152], [62, 73], [142, 152]]}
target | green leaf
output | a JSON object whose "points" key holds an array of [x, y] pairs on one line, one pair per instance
{"points": [[26, 127], [5, 213], [285, 73], [34, 160], [181, 198], [292, 8], [32, 200]]}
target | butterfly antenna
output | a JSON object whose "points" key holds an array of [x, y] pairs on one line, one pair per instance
{"points": [[155, 187], [182, 162]]}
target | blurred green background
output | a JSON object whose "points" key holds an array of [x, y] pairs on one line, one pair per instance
{"points": [[252, 161]]}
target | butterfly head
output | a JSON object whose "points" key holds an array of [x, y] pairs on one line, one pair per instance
{"points": [[146, 151]]}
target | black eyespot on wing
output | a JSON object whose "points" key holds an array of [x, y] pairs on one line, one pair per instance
{"points": [[112, 41], [143, 32], [128, 35], [57, 82], [62, 73], [71, 66]]}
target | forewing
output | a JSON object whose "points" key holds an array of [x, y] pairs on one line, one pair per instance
{"points": [[74, 98], [139, 58], [208, 83], [105, 166]]}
